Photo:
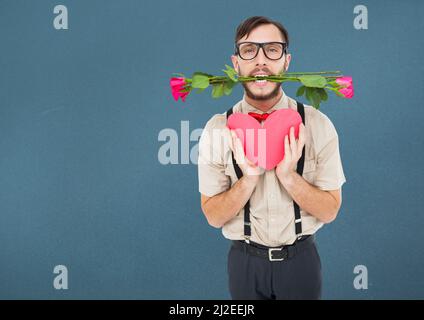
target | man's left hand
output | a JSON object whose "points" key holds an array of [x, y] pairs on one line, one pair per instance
{"points": [[292, 153]]}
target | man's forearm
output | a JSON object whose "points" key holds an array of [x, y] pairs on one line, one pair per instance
{"points": [[224, 206], [314, 201]]}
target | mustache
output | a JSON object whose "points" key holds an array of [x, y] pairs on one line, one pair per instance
{"points": [[265, 70]]}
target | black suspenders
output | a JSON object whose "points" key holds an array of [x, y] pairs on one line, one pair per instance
{"points": [[300, 163]]}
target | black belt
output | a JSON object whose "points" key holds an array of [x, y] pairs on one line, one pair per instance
{"points": [[275, 253]]}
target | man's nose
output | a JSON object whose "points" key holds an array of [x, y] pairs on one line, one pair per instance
{"points": [[261, 58]]}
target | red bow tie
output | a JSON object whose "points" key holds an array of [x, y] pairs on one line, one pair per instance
{"points": [[260, 117]]}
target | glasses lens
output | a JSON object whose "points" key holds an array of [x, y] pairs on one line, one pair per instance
{"points": [[248, 50], [274, 50]]}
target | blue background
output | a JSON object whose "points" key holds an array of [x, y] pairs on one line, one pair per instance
{"points": [[80, 114]]}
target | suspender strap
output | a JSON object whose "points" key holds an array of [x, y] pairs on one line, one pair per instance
{"points": [[239, 173], [299, 170]]}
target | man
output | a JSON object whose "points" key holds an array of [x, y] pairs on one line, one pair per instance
{"points": [[270, 216]]}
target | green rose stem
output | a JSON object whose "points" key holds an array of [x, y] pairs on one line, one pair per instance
{"points": [[313, 73], [286, 77], [313, 84]]}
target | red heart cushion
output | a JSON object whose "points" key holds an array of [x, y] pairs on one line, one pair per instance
{"points": [[264, 144]]}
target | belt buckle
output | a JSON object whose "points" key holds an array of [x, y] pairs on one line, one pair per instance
{"points": [[270, 250]]}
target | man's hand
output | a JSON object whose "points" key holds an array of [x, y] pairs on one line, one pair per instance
{"points": [[292, 153], [251, 171]]}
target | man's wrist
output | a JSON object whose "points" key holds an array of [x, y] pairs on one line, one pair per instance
{"points": [[288, 179], [250, 180]]}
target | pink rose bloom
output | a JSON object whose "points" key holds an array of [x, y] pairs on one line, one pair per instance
{"points": [[346, 82], [177, 85]]}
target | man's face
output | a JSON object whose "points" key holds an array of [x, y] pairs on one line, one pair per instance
{"points": [[263, 90]]}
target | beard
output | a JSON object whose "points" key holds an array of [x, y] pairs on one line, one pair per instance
{"points": [[268, 96], [262, 97]]}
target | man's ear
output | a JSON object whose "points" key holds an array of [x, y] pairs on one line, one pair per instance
{"points": [[288, 59], [235, 62]]}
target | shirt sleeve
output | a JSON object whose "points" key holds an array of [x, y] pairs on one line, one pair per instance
{"points": [[211, 165], [329, 171]]}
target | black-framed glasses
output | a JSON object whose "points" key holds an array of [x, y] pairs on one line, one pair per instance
{"points": [[249, 50]]}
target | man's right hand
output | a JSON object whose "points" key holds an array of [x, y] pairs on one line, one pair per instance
{"points": [[222, 207], [250, 171]]}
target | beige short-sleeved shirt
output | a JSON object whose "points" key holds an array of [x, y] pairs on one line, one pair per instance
{"points": [[271, 207]]}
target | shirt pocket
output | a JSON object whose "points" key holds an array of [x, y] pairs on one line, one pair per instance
{"points": [[309, 169]]}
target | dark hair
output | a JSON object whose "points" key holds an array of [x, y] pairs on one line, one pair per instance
{"points": [[251, 23]]}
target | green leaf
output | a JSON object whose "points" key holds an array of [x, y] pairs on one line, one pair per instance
{"points": [[313, 97], [316, 99], [339, 94], [309, 94], [200, 80], [323, 94], [228, 87], [198, 90], [231, 73], [218, 90], [203, 73], [300, 91], [313, 81]]}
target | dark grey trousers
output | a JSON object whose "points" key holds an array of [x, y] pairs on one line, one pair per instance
{"points": [[256, 278]]}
